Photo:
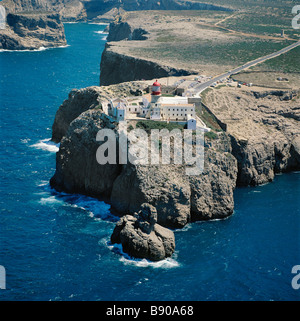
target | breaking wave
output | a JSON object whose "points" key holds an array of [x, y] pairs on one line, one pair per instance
{"points": [[99, 23], [94, 207], [47, 144], [128, 260], [34, 50]]}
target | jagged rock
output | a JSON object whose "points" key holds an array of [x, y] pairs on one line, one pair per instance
{"points": [[122, 30], [147, 217], [142, 237], [32, 32], [80, 100], [77, 169], [77, 102]]}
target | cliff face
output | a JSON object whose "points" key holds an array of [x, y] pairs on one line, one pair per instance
{"points": [[117, 68], [76, 10], [81, 100], [32, 32], [97, 7], [123, 30], [69, 10]]}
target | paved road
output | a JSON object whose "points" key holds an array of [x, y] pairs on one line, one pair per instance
{"points": [[199, 88]]}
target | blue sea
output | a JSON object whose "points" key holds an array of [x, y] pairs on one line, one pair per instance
{"points": [[55, 246]]}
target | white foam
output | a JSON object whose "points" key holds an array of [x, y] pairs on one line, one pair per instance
{"points": [[184, 229], [99, 23], [43, 183], [50, 200], [95, 208], [34, 50], [101, 32], [128, 260], [47, 144]]}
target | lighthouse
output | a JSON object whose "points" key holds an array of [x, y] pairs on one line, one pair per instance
{"points": [[156, 92]]}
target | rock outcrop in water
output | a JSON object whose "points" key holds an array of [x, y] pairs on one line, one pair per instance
{"points": [[142, 237], [32, 32]]}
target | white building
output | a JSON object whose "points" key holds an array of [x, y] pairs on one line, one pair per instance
{"points": [[155, 107], [117, 108]]}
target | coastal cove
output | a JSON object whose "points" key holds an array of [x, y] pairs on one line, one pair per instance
{"points": [[55, 246]]}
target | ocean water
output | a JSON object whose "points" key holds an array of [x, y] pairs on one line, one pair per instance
{"points": [[55, 246]]}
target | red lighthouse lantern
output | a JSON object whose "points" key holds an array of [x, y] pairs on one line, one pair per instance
{"points": [[156, 91]]}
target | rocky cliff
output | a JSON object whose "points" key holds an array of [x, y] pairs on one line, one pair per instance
{"points": [[116, 68], [178, 198], [264, 130], [70, 10], [123, 30], [77, 10], [80, 100], [32, 32]]}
